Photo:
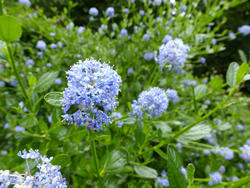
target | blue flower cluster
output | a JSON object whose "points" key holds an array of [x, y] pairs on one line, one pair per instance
{"points": [[244, 30], [245, 155], [47, 176], [91, 94], [173, 52], [215, 178], [163, 179], [172, 95], [153, 102]]}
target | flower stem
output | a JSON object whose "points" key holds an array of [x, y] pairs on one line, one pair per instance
{"points": [[95, 157], [12, 63]]}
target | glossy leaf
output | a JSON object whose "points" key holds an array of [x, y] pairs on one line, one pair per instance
{"points": [[231, 74], [197, 132], [145, 172], [45, 81], [54, 98]]}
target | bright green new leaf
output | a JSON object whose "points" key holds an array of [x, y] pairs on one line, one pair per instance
{"points": [[10, 29], [45, 82], [54, 98], [146, 172], [241, 72], [231, 74]]}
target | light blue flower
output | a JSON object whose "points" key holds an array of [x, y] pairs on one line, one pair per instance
{"points": [[146, 37], [52, 34], [130, 71], [117, 115], [91, 93], [172, 95], [202, 60], [184, 171], [214, 41], [166, 39], [174, 52], [245, 152], [2, 83], [149, 56], [222, 169], [110, 12], [232, 35], [93, 11], [52, 45], [244, 30], [183, 8], [157, 2], [19, 129], [152, 102], [41, 45], [14, 83], [58, 81], [123, 33], [215, 178], [80, 30], [141, 12], [125, 11], [25, 2]]}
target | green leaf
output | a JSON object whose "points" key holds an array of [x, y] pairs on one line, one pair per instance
{"points": [[62, 160], [231, 74], [114, 162], [216, 83], [146, 172], [174, 164], [200, 91], [190, 173], [197, 132], [29, 122], [242, 56], [224, 126], [162, 126], [45, 82], [54, 98], [10, 29], [241, 72]]}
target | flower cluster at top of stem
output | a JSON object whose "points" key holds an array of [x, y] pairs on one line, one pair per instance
{"points": [[47, 176], [173, 52], [91, 94], [153, 102]]}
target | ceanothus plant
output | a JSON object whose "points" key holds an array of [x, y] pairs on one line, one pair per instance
{"points": [[132, 130]]}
